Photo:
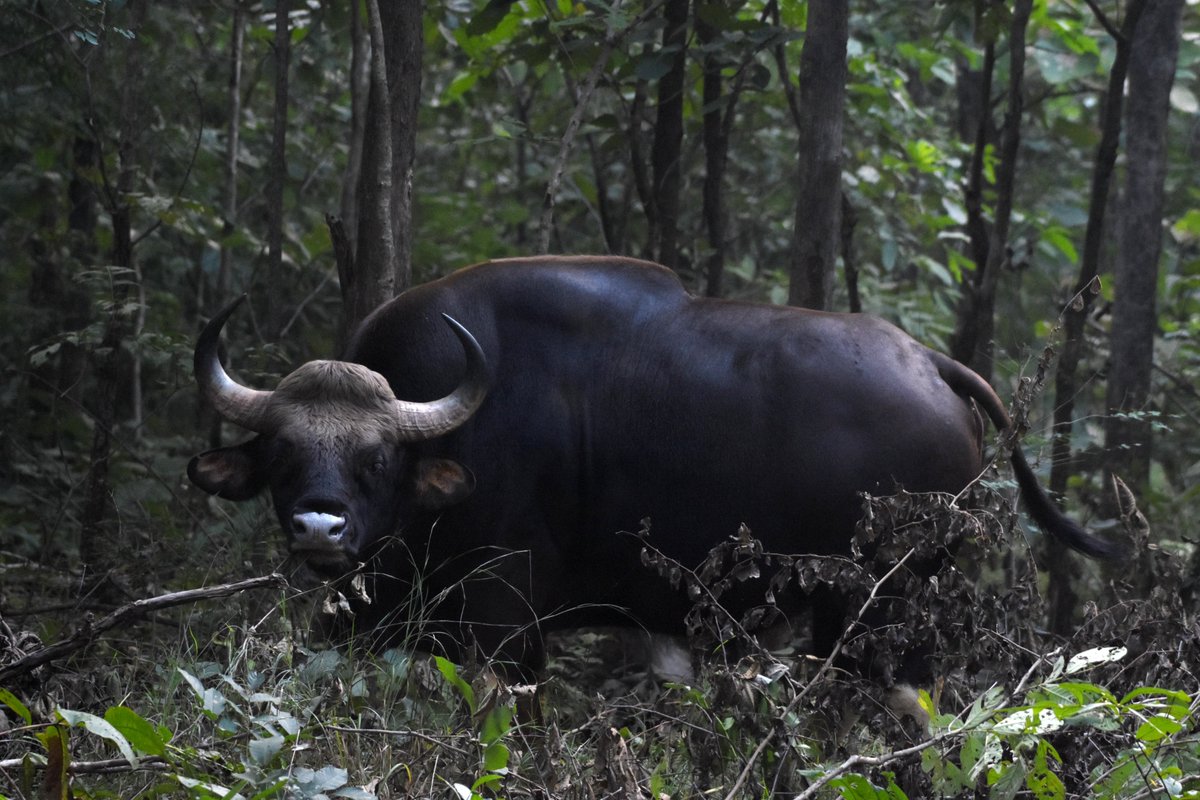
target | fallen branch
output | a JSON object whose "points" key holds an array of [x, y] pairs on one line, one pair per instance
{"points": [[104, 767], [90, 630]]}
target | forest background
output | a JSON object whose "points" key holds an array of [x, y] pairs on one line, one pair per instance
{"points": [[996, 178]]}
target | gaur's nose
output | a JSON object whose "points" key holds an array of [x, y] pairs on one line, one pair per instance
{"points": [[319, 526]]}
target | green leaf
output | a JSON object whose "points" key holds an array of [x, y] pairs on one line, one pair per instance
{"points": [[459, 86], [450, 672], [99, 727], [263, 750], [491, 15], [317, 781], [495, 758], [1157, 728], [140, 734], [1005, 780], [56, 784], [1045, 785], [9, 699], [652, 66], [1060, 239], [496, 724], [212, 701], [1187, 227]]}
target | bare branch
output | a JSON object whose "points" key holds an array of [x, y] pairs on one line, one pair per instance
{"points": [[825, 667], [611, 39], [89, 631], [1104, 21], [103, 767]]}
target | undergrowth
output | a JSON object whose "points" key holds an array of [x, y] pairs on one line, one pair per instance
{"points": [[241, 700]]}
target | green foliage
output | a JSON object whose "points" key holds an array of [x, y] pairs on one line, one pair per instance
{"points": [[1008, 747], [499, 83], [495, 723]]}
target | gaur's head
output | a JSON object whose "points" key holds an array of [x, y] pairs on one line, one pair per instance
{"points": [[334, 447]]}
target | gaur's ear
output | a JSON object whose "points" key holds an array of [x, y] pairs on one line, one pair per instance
{"points": [[234, 473], [441, 483]]}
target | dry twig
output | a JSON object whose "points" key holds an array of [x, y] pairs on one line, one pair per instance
{"points": [[90, 630]]}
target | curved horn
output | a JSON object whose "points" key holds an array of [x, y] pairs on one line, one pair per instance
{"points": [[234, 402], [420, 421]]}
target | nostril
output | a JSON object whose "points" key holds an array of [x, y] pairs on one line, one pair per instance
{"points": [[319, 526]]}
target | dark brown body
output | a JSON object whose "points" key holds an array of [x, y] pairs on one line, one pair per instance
{"points": [[616, 396]]}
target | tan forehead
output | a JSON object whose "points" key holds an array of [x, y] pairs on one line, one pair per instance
{"points": [[335, 382], [324, 400]]}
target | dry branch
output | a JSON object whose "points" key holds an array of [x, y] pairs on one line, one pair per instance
{"points": [[90, 630], [105, 766]]}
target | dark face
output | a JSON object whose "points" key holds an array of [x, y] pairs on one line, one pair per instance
{"points": [[336, 496], [335, 505], [335, 449]]}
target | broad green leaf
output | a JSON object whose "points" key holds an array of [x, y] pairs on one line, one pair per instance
{"points": [[487, 18], [1156, 728], [313, 782], [56, 784], [9, 699], [1005, 780], [484, 780], [1187, 227], [653, 66], [461, 84], [212, 701], [985, 705], [496, 724], [99, 727], [450, 672], [495, 758], [1045, 785], [1086, 692], [1061, 241], [140, 734], [263, 750]]}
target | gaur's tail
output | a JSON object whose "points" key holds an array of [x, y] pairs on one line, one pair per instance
{"points": [[1043, 510]]}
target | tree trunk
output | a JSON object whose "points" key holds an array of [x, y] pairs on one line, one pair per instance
{"points": [[982, 136], [359, 85], [668, 135], [98, 537], [369, 279], [277, 171], [1074, 316], [1062, 597], [823, 73], [716, 153], [1151, 72], [975, 328], [403, 50], [381, 262]]}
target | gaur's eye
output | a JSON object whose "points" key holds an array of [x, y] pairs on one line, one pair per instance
{"points": [[376, 466]]}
